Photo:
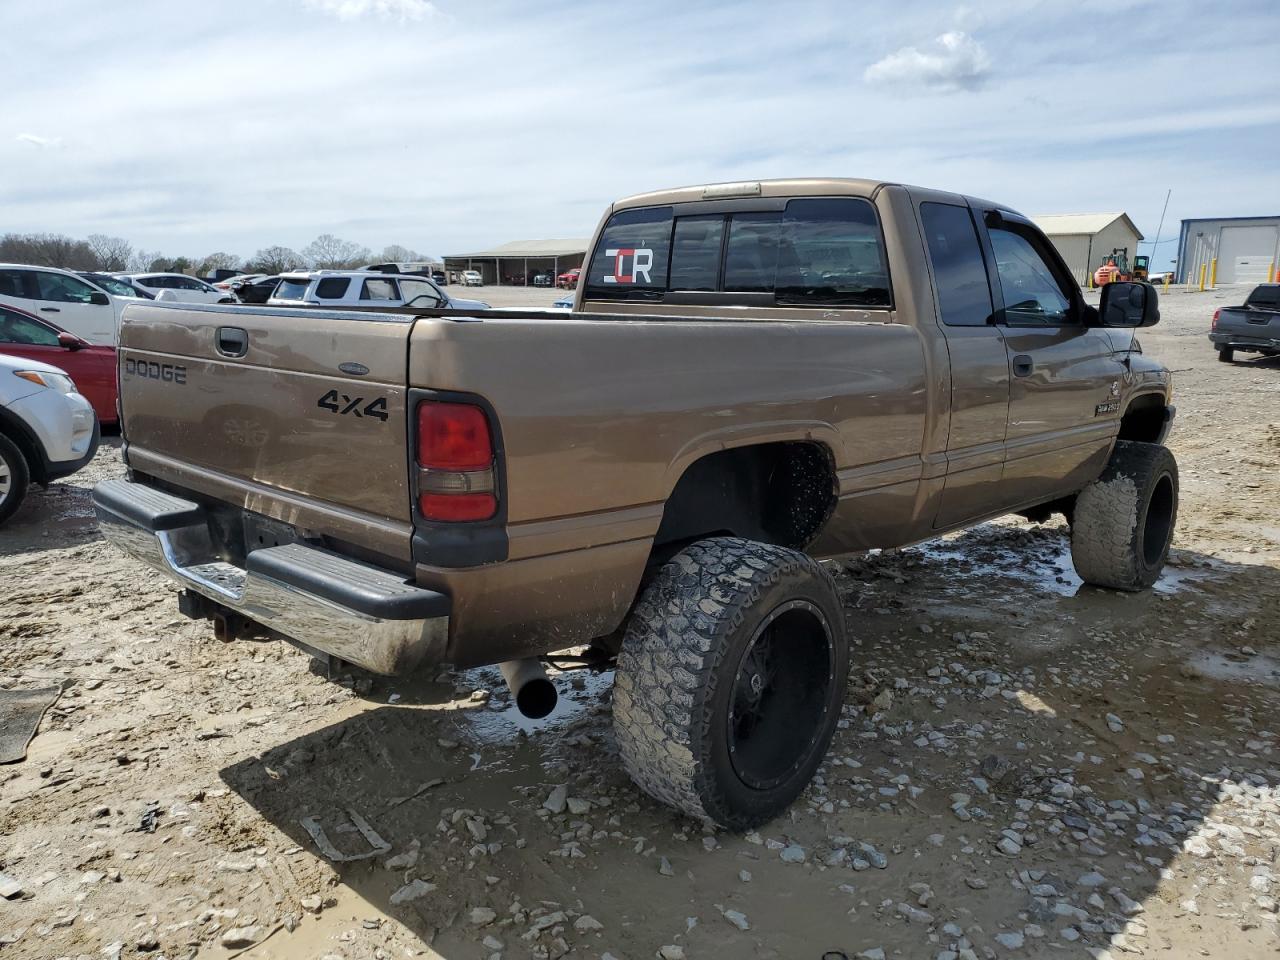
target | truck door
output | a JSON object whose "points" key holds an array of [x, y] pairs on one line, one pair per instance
{"points": [[979, 363], [1064, 380]]}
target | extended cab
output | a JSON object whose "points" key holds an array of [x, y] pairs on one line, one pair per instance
{"points": [[753, 375], [1252, 327]]}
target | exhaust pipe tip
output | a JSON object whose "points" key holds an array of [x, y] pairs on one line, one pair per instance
{"points": [[537, 698], [534, 693]]}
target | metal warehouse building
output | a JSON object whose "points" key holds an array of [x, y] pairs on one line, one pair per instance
{"points": [[1245, 248], [517, 263], [1084, 239]]}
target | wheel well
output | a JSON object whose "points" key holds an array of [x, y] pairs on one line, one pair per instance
{"points": [[12, 430], [780, 493], [1144, 420]]}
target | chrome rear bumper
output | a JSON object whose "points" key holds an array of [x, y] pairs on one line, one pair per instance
{"points": [[360, 613]]}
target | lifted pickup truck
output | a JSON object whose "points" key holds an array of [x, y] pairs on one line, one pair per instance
{"points": [[1252, 327], [749, 371]]}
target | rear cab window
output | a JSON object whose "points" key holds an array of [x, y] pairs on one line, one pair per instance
{"points": [[806, 251], [1268, 297]]}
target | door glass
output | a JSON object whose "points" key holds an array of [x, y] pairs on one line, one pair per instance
{"points": [[419, 293], [378, 290], [56, 287], [1032, 296], [964, 294], [11, 284], [751, 259], [332, 288], [15, 328], [695, 253]]}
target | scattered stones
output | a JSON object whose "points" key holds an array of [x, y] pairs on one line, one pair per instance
{"points": [[238, 938], [671, 951], [558, 799], [792, 853], [413, 890], [482, 916], [1011, 940]]}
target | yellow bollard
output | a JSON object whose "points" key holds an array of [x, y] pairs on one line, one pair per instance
{"points": [[1271, 272], [1204, 269], [1213, 272], [1167, 278]]}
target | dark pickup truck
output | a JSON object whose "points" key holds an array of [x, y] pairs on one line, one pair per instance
{"points": [[1253, 327]]}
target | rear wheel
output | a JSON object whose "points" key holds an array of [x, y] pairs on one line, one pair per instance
{"points": [[14, 478], [1226, 354], [1123, 521], [730, 680]]}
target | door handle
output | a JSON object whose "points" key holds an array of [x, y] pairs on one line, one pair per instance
{"points": [[50, 309], [232, 342], [1022, 365]]}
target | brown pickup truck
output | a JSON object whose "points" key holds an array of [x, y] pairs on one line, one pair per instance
{"points": [[753, 375]]}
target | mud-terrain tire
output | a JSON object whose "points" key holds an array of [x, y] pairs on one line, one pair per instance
{"points": [[1226, 354], [730, 680], [15, 476], [1124, 520]]}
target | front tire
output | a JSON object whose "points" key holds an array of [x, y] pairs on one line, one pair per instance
{"points": [[1226, 355], [730, 680], [15, 477], [1123, 522]]}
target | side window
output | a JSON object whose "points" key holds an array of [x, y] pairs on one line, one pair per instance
{"points": [[186, 283], [751, 256], [1032, 295], [56, 287], [379, 290], [153, 283], [630, 261], [12, 285], [959, 272], [830, 253], [332, 288], [419, 293], [15, 328], [695, 253]]}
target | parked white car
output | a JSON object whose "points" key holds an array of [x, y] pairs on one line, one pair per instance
{"points": [[472, 278], [360, 288], [47, 429], [180, 287], [70, 301]]}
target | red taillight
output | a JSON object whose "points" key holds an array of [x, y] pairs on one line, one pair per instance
{"points": [[455, 460], [1214, 326], [453, 436]]}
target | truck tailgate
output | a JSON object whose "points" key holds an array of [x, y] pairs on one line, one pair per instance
{"points": [[297, 415]]}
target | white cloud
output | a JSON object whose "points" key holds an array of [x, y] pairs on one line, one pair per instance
{"points": [[386, 9], [953, 61], [38, 141]]}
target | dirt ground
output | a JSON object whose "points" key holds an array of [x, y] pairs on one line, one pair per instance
{"points": [[1026, 767]]}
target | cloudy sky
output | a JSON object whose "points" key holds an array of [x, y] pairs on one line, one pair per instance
{"points": [[448, 125]]}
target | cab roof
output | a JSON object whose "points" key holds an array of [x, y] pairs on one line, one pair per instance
{"points": [[800, 187]]}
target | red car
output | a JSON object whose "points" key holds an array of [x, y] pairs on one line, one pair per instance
{"points": [[92, 367], [569, 279]]}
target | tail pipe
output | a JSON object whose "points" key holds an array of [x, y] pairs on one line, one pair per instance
{"points": [[534, 692]]}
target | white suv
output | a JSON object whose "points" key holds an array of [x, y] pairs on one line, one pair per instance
{"points": [[61, 297], [180, 287], [360, 288], [47, 429]]}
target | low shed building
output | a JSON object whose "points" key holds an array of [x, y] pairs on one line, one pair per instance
{"points": [[517, 263], [1246, 248], [1086, 239]]}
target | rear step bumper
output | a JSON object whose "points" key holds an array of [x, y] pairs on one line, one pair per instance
{"points": [[359, 613]]}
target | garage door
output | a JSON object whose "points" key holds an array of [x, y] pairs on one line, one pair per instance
{"points": [[1245, 254]]}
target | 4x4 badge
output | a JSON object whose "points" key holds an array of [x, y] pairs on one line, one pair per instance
{"points": [[343, 405]]}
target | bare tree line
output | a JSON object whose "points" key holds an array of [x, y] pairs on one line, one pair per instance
{"points": [[115, 254]]}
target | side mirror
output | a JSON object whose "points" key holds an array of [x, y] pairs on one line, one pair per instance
{"points": [[70, 341], [100, 299], [1129, 305]]}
